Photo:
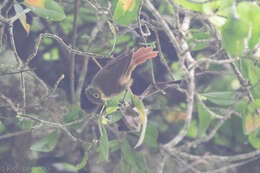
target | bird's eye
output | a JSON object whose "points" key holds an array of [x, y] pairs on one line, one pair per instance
{"points": [[96, 95]]}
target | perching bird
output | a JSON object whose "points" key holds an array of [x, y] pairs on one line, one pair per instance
{"points": [[115, 76]]}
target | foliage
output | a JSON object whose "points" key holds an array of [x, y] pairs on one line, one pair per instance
{"points": [[211, 46]]}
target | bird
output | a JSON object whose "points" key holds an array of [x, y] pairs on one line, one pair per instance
{"points": [[115, 76]]}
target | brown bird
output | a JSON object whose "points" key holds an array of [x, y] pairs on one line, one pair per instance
{"points": [[115, 76]]}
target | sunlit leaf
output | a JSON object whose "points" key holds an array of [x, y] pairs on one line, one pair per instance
{"points": [[193, 130], [232, 37], [190, 5], [251, 122], [249, 12], [35, 3], [126, 11], [48, 9], [38, 170]]}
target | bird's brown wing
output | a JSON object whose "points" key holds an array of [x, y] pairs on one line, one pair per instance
{"points": [[107, 79]]}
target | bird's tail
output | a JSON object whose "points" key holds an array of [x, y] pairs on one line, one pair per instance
{"points": [[143, 54]]}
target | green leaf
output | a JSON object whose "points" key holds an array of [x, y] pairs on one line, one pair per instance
{"points": [[126, 11], [251, 123], [127, 154], [140, 107], [253, 106], [47, 143], [47, 9], [111, 109], [232, 37], [65, 167], [38, 170], [25, 123], [113, 103], [83, 163], [189, 5], [253, 73], [2, 127], [141, 164], [76, 113], [254, 140], [204, 120], [222, 140], [151, 136], [103, 145], [193, 130], [224, 98], [125, 167], [114, 145], [197, 34], [114, 117], [52, 55], [249, 12]]}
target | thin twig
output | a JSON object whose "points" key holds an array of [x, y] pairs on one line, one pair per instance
{"points": [[72, 60], [242, 81], [11, 103]]}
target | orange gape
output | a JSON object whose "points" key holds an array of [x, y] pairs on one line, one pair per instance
{"points": [[115, 76]]}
